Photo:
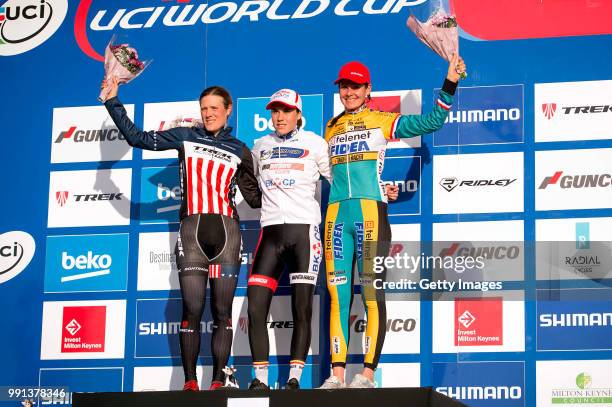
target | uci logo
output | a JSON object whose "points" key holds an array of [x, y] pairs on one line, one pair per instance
{"points": [[16, 251], [25, 24]]}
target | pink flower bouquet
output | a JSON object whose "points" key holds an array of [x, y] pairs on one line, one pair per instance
{"points": [[121, 61], [439, 33]]}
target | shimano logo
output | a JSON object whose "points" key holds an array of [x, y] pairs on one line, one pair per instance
{"points": [[95, 265], [482, 392], [577, 181], [488, 115], [89, 136], [450, 184], [572, 320], [405, 186], [168, 328]]}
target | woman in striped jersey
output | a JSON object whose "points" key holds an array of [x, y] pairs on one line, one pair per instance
{"points": [[211, 163]]}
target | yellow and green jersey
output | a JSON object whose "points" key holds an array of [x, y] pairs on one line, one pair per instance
{"points": [[357, 144]]}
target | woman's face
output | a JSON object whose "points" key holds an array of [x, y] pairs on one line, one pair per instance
{"points": [[284, 118], [353, 95], [214, 113]]}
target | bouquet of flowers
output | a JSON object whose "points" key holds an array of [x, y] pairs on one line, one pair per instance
{"points": [[121, 61], [439, 33], [180, 121]]}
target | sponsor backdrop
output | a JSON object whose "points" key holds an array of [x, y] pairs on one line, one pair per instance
{"points": [[87, 270]]}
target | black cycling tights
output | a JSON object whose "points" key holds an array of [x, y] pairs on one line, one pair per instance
{"points": [[208, 247]]}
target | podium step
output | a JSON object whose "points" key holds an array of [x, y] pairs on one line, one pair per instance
{"points": [[390, 397]]}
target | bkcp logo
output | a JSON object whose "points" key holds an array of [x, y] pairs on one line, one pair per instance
{"points": [[254, 120], [16, 251], [26, 24], [86, 263]]}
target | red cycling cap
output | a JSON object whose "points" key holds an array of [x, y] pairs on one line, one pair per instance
{"points": [[354, 71]]}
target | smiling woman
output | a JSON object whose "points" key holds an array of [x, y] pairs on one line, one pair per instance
{"points": [[211, 163]]}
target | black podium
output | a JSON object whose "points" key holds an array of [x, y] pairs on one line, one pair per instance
{"points": [[390, 397]]}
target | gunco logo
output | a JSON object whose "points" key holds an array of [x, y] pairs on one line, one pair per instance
{"points": [[498, 252], [393, 324], [89, 136], [16, 251], [26, 24], [577, 181]]}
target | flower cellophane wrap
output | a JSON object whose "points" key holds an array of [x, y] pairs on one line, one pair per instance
{"points": [[121, 61]]}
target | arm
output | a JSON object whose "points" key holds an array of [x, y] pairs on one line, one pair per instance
{"points": [[416, 125], [323, 162], [149, 140], [412, 126], [247, 181]]}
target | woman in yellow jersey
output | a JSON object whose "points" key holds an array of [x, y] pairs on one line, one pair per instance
{"points": [[356, 224]]}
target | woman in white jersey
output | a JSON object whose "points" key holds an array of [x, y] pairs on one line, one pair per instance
{"points": [[289, 162]]}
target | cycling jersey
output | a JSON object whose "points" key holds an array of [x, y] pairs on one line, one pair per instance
{"points": [[357, 143], [210, 165], [288, 168]]}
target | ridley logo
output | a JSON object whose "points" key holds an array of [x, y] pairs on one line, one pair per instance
{"points": [[549, 110], [61, 197], [73, 327], [449, 183], [25, 24]]}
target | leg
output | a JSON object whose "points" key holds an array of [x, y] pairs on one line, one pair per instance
{"points": [[339, 248], [376, 240], [265, 273], [192, 278]]}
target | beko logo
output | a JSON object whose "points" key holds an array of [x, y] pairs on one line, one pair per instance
{"points": [[89, 136], [488, 115], [16, 251], [572, 320], [577, 181], [451, 183]]}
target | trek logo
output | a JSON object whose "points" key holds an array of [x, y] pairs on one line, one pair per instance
{"points": [[201, 150], [450, 184], [16, 251], [487, 115], [91, 265], [586, 109], [487, 252], [27, 24], [62, 197], [84, 329], [577, 181], [337, 241], [89, 136], [393, 325], [549, 110]]}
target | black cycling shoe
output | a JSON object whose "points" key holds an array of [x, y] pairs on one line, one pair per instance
{"points": [[292, 384], [256, 384]]}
